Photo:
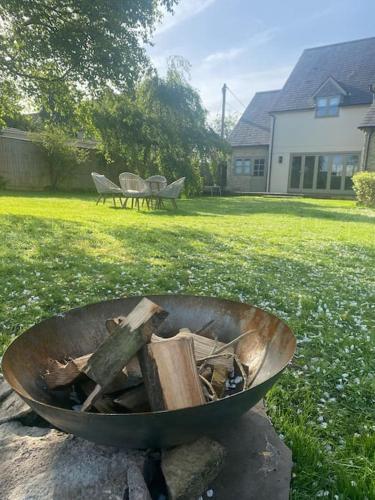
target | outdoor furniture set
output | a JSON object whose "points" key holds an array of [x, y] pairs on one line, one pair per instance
{"points": [[151, 191]]}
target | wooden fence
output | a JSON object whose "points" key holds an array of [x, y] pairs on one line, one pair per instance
{"points": [[23, 166]]}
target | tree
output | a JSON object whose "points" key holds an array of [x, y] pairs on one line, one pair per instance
{"points": [[162, 128], [229, 124], [84, 43], [10, 107]]}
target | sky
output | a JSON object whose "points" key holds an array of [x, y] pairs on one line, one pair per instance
{"points": [[252, 45]]}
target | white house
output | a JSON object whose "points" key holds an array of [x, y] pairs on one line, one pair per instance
{"points": [[308, 137]]}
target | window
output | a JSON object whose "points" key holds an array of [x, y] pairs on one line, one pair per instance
{"points": [[259, 167], [325, 172], [327, 106], [242, 166]]}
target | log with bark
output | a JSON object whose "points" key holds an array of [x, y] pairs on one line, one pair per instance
{"points": [[121, 346]]}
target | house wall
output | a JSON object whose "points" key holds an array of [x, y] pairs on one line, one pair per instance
{"points": [[301, 132], [247, 183], [371, 152]]}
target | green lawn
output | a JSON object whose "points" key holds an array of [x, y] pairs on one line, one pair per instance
{"points": [[311, 262]]}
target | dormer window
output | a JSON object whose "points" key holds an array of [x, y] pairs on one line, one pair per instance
{"points": [[327, 106]]}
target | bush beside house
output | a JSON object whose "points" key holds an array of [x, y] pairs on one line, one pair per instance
{"points": [[364, 188]]}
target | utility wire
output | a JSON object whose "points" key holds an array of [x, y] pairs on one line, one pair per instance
{"points": [[237, 99]]}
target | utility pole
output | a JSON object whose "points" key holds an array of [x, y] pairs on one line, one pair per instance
{"points": [[224, 91]]}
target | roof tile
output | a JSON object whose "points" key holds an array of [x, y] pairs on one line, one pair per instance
{"points": [[352, 64]]}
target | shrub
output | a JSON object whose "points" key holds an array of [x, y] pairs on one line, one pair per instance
{"points": [[62, 154], [364, 188]]}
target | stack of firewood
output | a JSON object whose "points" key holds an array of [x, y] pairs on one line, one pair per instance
{"points": [[136, 370]]}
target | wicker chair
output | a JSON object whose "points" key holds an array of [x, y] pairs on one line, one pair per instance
{"points": [[171, 192], [106, 188], [135, 188]]}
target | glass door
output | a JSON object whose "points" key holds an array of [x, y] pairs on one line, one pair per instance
{"points": [[351, 168], [295, 173], [308, 172], [337, 170], [322, 173]]}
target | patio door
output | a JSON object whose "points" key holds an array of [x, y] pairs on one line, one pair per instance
{"points": [[322, 173]]}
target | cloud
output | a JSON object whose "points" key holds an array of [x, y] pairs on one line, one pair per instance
{"points": [[255, 41], [225, 55], [262, 38], [183, 11]]}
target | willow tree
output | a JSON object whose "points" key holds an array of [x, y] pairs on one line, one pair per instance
{"points": [[160, 128]]}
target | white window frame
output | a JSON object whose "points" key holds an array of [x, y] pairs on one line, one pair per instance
{"points": [[256, 168], [330, 109], [242, 166]]}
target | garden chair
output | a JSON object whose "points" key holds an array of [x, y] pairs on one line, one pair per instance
{"points": [[106, 188], [135, 188], [171, 192]]}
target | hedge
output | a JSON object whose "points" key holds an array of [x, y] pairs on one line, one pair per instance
{"points": [[364, 188]]}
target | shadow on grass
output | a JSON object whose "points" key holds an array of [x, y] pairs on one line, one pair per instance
{"points": [[252, 206]]}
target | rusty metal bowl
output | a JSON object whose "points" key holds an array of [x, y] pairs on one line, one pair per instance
{"points": [[80, 331]]}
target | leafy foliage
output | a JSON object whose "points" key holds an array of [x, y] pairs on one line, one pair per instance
{"points": [[62, 154], [161, 128], [85, 43], [229, 123], [364, 187], [10, 107]]}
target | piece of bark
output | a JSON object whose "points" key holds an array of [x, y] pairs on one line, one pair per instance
{"points": [[120, 347], [189, 469], [134, 399], [203, 347], [219, 377], [170, 374]]}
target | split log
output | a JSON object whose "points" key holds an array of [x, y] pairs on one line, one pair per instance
{"points": [[121, 346], [61, 374], [189, 469], [203, 347], [170, 374], [134, 399]]}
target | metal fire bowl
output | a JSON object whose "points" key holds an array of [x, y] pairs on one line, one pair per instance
{"points": [[80, 331]]}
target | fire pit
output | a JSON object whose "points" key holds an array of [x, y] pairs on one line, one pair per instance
{"points": [[82, 331]]}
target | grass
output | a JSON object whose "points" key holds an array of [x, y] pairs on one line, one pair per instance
{"points": [[311, 262]]}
